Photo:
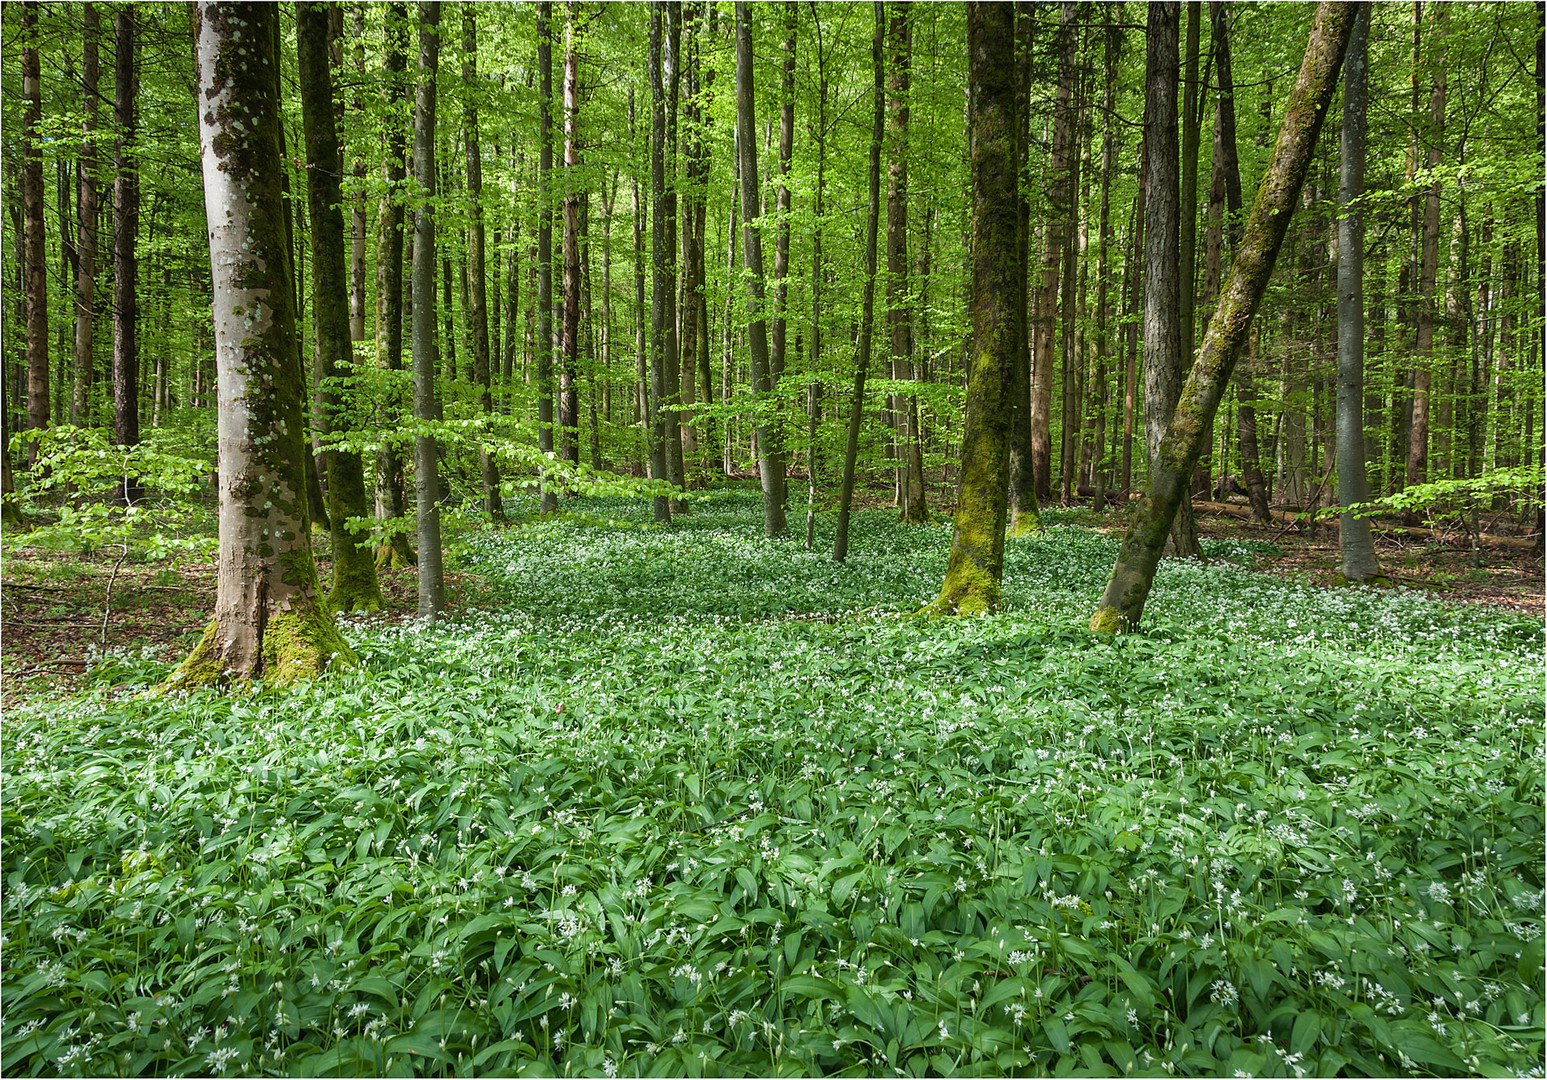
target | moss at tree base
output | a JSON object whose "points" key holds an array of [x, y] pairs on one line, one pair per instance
{"points": [[298, 644], [1108, 620], [1027, 523], [354, 584]]}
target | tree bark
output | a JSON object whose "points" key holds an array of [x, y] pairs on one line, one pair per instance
{"points": [[354, 567], [1164, 348], [390, 483], [34, 258], [126, 225], [478, 299], [976, 565], [868, 302], [543, 344], [1060, 201], [769, 444], [814, 394], [1122, 602], [357, 223], [662, 283], [1428, 270], [1359, 562], [432, 600], [911, 502], [86, 234], [574, 195], [1025, 511], [671, 423], [269, 621]]}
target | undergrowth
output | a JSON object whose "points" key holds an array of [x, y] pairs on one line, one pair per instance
{"points": [[684, 801]]}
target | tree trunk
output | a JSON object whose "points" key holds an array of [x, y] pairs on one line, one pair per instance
{"points": [[86, 234], [574, 196], [671, 425], [1163, 345], [661, 282], [357, 224], [126, 224], [354, 567], [390, 483], [814, 394], [478, 300], [1114, 41], [1428, 267], [912, 505], [1122, 602], [769, 443], [868, 303], [976, 565], [36, 291], [1025, 512], [1359, 562], [432, 600], [269, 621], [781, 266], [543, 343], [1060, 201]]}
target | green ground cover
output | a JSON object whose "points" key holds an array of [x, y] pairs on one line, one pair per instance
{"points": [[685, 801]]}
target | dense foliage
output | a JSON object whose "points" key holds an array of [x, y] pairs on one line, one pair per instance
{"points": [[677, 802]]}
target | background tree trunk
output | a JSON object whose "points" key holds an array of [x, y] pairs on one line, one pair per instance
{"points": [[126, 226], [574, 196], [661, 282], [86, 234], [354, 567], [1024, 511], [543, 344], [1359, 562], [868, 302], [1428, 270], [478, 299], [769, 443], [911, 502], [432, 600], [34, 258]]}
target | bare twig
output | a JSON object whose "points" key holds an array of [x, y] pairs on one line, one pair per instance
{"points": [[107, 600]]}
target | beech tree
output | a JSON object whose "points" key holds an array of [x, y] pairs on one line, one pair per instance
{"points": [[270, 621], [976, 566]]}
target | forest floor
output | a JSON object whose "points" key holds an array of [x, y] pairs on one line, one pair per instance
{"points": [[688, 801], [59, 614]]}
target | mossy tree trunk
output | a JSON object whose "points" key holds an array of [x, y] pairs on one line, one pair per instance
{"points": [[1359, 561], [976, 566], [354, 564], [1025, 508], [1122, 603], [390, 484], [432, 600], [269, 621], [769, 443], [868, 302]]}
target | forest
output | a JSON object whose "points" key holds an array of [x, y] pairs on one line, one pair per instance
{"points": [[724, 538]]}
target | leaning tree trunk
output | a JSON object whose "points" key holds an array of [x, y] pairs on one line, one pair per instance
{"points": [[269, 621], [770, 450], [976, 566], [1122, 603], [354, 564], [868, 303], [1359, 562], [432, 600]]}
